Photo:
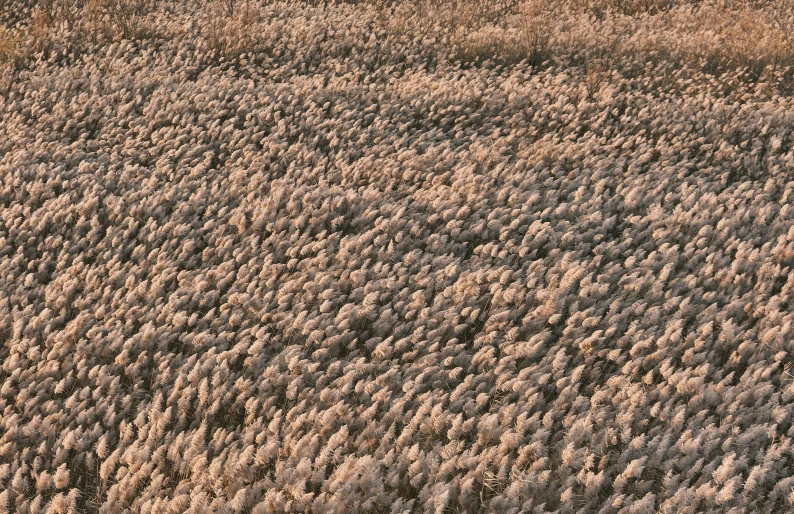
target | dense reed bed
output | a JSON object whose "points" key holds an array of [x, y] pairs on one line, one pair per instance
{"points": [[286, 257]]}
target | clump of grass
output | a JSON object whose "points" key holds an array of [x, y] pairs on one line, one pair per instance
{"points": [[231, 29], [522, 35], [113, 18], [12, 48], [595, 77]]}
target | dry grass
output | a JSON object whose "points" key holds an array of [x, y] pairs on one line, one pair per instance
{"points": [[232, 28], [77, 24], [12, 48], [363, 268], [116, 18], [712, 36], [708, 36], [526, 38]]}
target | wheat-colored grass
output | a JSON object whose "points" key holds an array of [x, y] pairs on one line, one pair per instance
{"points": [[265, 257]]}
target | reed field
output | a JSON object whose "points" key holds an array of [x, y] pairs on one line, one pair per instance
{"points": [[408, 256]]}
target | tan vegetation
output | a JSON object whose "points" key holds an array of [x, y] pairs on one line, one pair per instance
{"points": [[276, 257], [233, 28], [12, 49], [78, 24], [708, 36], [713, 36], [122, 19]]}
